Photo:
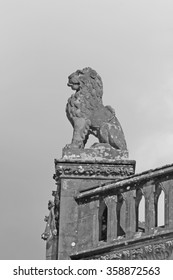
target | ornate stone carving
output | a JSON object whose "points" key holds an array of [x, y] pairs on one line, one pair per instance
{"points": [[52, 221], [157, 251], [50, 229], [94, 170], [56, 206], [88, 115]]}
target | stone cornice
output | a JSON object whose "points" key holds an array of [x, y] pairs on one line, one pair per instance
{"points": [[87, 169]]}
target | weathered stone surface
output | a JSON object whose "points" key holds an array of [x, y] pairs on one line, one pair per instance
{"points": [[51, 231], [88, 115], [50, 222], [131, 238], [82, 185], [110, 169], [78, 222], [150, 251], [162, 175], [97, 152], [96, 208]]}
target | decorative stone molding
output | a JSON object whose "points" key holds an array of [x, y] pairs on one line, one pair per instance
{"points": [[94, 170], [157, 251]]}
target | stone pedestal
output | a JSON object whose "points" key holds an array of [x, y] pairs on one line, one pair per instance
{"points": [[73, 175]]}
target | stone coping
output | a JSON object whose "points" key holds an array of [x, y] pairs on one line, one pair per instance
{"points": [[126, 182]]}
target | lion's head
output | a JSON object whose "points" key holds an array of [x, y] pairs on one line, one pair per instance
{"points": [[87, 80]]}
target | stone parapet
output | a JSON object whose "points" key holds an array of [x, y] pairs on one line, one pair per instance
{"points": [[127, 237]]}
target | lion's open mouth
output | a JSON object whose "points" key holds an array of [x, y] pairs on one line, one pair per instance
{"points": [[74, 84], [71, 84]]}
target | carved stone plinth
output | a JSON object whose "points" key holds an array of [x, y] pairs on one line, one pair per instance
{"points": [[97, 152], [74, 176]]}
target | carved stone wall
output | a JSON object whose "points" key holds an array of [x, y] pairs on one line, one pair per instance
{"points": [[150, 251], [75, 177]]}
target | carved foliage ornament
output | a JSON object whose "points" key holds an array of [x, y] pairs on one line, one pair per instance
{"points": [[94, 170], [52, 220], [50, 229]]}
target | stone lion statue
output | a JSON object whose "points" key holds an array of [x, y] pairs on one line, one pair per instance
{"points": [[88, 115]]}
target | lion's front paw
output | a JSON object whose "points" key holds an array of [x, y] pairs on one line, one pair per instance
{"points": [[75, 145]]}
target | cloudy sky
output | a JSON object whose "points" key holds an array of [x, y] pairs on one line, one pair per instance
{"points": [[128, 42]]}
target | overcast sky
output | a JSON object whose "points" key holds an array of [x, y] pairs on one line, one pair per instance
{"points": [[128, 42]]}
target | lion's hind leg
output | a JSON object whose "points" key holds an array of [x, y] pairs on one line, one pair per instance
{"points": [[112, 135]]}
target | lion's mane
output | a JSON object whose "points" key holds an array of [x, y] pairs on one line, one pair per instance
{"points": [[88, 98]]}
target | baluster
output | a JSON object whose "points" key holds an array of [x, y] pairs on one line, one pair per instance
{"points": [[111, 202], [139, 196], [168, 189], [96, 205], [148, 190], [130, 213]]}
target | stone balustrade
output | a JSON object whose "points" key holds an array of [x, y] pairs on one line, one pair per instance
{"points": [[115, 209]]}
